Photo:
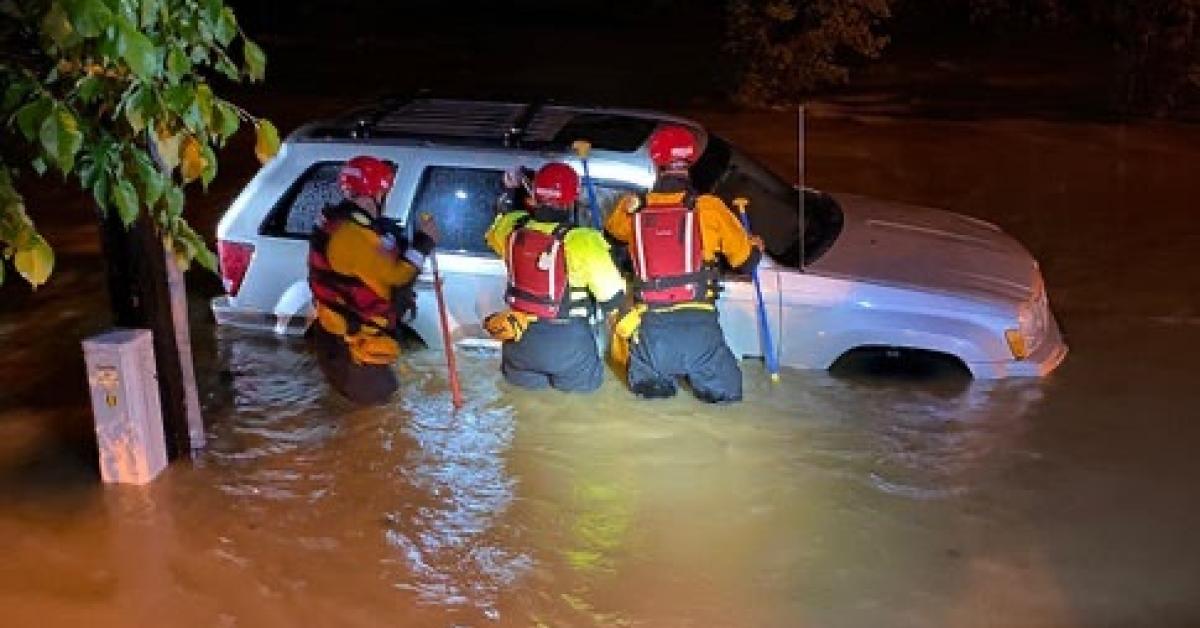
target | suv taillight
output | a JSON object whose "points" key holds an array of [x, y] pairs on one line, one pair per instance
{"points": [[235, 259]]}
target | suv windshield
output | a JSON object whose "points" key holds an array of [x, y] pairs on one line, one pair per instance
{"points": [[774, 205]]}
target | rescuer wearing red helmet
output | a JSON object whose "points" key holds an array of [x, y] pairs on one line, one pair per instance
{"points": [[555, 269], [675, 237], [361, 268]]}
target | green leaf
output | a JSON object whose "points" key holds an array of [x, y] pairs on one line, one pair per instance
{"points": [[178, 64], [196, 246], [88, 88], [93, 163], [205, 257], [139, 107], [228, 69], [210, 165], [212, 10], [16, 92], [126, 200], [266, 143], [57, 26], [137, 50], [199, 54], [256, 61], [89, 17], [100, 190], [179, 97], [35, 261], [174, 200], [61, 138], [227, 120], [30, 117], [39, 165], [226, 27], [204, 102], [110, 44], [153, 182], [150, 12]]}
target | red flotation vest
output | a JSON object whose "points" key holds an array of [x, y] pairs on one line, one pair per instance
{"points": [[347, 295], [668, 256], [537, 271]]}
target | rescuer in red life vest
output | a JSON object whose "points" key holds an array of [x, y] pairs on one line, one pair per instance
{"points": [[554, 268], [361, 269], [674, 238]]}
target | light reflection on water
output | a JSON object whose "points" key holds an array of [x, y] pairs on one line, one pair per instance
{"points": [[452, 542], [542, 507]]}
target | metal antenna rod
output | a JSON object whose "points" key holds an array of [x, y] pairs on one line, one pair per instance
{"points": [[800, 177]]}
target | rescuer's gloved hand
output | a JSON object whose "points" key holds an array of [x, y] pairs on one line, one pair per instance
{"points": [[404, 301], [508, 325], [423, 242], [506, 202]]}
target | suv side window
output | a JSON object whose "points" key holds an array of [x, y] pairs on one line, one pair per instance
{"points": [[462, 202], [296, 212]]}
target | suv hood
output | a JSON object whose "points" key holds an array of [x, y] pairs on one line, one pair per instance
{"points": [[929, 249]]}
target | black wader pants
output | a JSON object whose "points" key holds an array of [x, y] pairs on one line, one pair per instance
{"points": [[560, 354], [363, 384], [684, 343]]}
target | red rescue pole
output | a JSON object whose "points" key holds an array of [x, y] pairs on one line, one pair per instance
{"points": [[451, 363]]}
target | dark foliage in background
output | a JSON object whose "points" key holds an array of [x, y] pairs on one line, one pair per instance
{"points": [[780, 51], [1157, 41], [784, 49]]}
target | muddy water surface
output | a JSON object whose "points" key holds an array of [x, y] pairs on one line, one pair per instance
{"points": [[856, 499]]}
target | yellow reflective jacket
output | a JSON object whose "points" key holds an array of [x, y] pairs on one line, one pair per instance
{"points": [[589, 265]]}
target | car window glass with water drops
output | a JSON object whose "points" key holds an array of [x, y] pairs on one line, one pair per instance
{"points": [[774, 205], [607, 195], [296, 213], [462, 202]]}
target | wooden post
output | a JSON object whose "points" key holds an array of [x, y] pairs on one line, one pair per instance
{"points": [[140, 295], [177, 288]]}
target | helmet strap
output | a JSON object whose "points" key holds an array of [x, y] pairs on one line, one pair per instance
{"points": [[369, 204], [550, 213]]}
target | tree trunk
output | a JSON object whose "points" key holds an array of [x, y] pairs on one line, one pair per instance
{"points": [[139, 285]]}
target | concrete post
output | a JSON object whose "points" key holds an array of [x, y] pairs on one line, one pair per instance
{"points": [[125, 405]]}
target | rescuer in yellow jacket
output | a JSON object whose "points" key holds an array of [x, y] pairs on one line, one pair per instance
{"points": [[554, 271], [361, 270], [675, 237]]}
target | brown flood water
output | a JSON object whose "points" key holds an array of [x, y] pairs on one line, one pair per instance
{"points": [[851, 500]]}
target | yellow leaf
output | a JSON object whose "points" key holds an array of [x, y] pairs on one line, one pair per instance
{"points": [[191, 164], [35, 262], [266, 142], [166, 146]]}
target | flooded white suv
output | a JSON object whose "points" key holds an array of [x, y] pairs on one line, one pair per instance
{"points": [[860, 274]]}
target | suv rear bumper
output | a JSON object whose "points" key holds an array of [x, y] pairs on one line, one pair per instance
{"points": [[228, 314]]}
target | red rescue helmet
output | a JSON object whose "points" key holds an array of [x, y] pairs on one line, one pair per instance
{"points": [[557, 185], [366, 176], [673, 145]]}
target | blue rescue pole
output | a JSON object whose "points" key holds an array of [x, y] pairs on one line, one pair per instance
{"points": [[582, 148], [764, 325]]}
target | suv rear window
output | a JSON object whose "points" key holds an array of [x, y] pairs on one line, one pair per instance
{"points": [[462, 202], [606, 131], [296, 212]]}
